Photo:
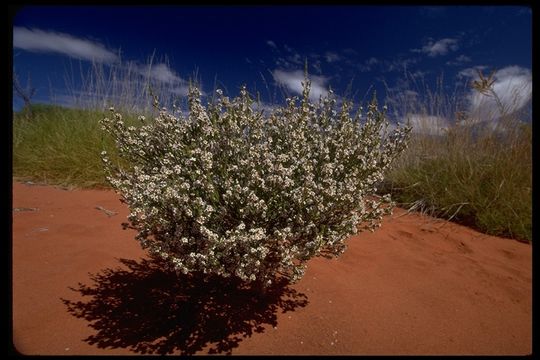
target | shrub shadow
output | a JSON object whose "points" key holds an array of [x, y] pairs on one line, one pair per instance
{"points": [[150, 310]]}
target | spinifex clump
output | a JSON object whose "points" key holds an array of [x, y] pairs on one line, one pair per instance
{"points": [[229, 191]]}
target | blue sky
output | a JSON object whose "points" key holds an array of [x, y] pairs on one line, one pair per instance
{"points": [[265, 47]]}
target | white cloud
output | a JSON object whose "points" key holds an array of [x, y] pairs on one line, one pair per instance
{"points": [[54, 42], [163, 73], [470, 72], [271, 44], [419, 74], [160, 72], [292, 80], [512, 85], [372, 61], [295, 58], [331, 57], [461, 59], [282, 62], [368, 64], [438, 48], [398, 64], [182, 90], [289, 60], [427, 124]]}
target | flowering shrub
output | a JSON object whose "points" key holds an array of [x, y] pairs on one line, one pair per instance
{"points": [[230, 191]]}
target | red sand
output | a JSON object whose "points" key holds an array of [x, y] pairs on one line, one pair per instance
{"points": [[415, 286]]}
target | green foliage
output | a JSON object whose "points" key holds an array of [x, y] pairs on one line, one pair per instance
{"points": [[60, 146], [484, 181]]}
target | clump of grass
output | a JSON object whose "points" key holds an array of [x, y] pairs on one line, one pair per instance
{"points": [[60, 146], [478, 173]]}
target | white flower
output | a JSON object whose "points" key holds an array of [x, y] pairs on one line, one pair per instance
{"points": [[197, 183]]}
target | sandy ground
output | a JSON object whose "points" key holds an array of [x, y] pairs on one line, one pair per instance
{"points": [[82, 285]]}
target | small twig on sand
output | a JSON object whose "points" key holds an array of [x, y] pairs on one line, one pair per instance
{"points": [[25, 209], [108, 212]]}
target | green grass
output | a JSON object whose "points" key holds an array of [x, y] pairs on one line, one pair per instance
{"points": [[478, 171], [60, 146], [484, 182]]}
